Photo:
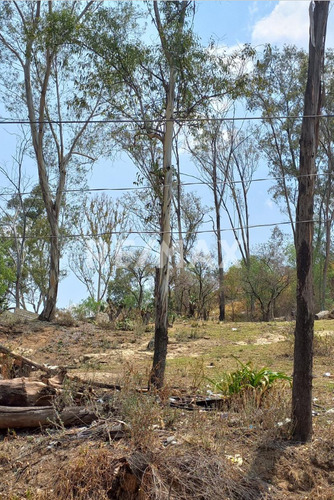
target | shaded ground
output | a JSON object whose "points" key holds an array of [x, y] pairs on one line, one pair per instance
{"points": [[239, 452]]}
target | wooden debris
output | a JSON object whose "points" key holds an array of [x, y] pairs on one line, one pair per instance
{"points": [[197, 402], [322, 315], [36, 366], [105, 430], [25, 392], [93, 383], [44, 416]]}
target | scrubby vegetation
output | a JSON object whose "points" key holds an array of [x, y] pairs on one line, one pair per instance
{"points": [[163, 445]]}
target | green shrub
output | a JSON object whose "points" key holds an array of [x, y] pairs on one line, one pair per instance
{"points": [[247, 378], [125, 324], [88, 308]]}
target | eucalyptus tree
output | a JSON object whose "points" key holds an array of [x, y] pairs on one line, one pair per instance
{"points": [[213, 162], [268, 274], [101, 229], [245, 160], [277, 88], [324, 187], [45, 75], [24, 218], [133, 282], [226, 160], [189, 215], [167, 81], [7, 276], [184, 96], [15, 215], [202, 285]]}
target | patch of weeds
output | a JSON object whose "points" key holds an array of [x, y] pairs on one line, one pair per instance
{"points": [[247, 378], [186, 335], [271, 414], [60, 345], [195, 324], [106, 344], [197, 374], [139, 329], [92, 365], [182, 336], [126, 325], [4, 459], [142, 413], [91, 475], [64, 317], [323, 345], [68, 394]]}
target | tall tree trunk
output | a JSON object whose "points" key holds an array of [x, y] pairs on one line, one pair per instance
{"points": [[49, 309], [217, 201], [18, 284], [329, 214], [220, 271], [328, 224], [161, 318], [303, 350], [177, 204]]}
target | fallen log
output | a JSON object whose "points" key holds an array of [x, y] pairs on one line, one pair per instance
{"points": [[25, 392], [93, 383], [322, 315], [45, 416], [36, 366]]}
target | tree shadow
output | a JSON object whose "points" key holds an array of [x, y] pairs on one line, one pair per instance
{"points": [[263, 468]]}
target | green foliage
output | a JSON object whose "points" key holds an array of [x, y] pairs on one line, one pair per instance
{"points": [[126, 325], [247, 377], [7, 275], [202, 285], [88, 307], [132, 285], [267, 274], [277, 89]]}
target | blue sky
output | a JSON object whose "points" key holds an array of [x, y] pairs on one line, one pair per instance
{"points": [[231, 23], [236, 22]]}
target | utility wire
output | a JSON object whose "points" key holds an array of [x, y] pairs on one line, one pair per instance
{"points": [[20, 121], [160, 233], [198, 183]]}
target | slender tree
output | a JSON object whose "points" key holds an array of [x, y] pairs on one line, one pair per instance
{"points": [[37, 39], [102, 230], [163, 88], [226, 160], [303, 349], [277, 91], [214, 163]]}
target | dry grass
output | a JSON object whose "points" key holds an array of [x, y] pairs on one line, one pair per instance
{"points": [[238, 452]]}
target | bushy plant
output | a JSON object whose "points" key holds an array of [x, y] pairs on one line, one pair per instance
{"points": [[247, 378], [88, 308], [64, 317], [125, 324]]}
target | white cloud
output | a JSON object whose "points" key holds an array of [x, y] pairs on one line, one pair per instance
{"points": [[287, 23], [253, 8], [269, 203]]}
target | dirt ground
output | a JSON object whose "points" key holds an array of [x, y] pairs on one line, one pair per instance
{"points": [[237, 451]]}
